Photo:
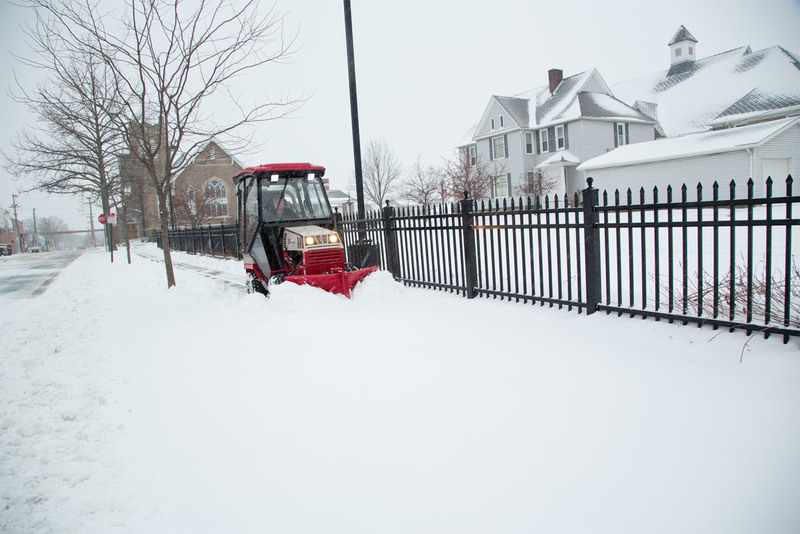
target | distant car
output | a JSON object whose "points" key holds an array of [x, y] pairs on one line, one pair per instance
{"points": [[35, 248], [5, 250]]}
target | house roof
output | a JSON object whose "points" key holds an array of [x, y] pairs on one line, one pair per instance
{"points": [[682, 35], [696, 144], [581, 95], [562, 158], [191, 163], [724, 89]]}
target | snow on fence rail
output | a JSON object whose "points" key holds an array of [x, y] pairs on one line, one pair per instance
{"points": [[728, 262]]}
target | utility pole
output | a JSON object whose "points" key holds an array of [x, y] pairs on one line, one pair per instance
{"points": [[16, 222], [91, 223], [34, 221], [351, 66]]}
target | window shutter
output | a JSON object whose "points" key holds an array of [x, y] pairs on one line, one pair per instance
{"points": [[505, 144], [538, 144], [491, 149], [627, 135], [616, 139], [551, 138], [566, 137]]}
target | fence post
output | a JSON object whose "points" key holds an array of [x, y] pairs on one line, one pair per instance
{"points": [[337, 224], [211, 239], [390, 237], [470, 257], [591, 245], [222, 239]]}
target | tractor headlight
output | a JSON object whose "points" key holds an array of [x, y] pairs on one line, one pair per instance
{"points": [[333, 238], [310, 240]]}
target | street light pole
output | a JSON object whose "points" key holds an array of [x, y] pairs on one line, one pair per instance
{"points": [[351, 66]]}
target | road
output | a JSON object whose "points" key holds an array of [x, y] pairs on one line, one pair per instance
{"points": [[26, 275]]}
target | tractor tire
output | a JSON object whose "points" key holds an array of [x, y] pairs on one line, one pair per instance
{"points": [[254, 285]]}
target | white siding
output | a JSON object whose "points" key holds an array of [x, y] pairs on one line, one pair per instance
{"points": [[690, 171], [785, 145], [738, 166]]}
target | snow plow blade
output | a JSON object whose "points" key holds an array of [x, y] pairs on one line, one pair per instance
{"points": [[339, 283]]}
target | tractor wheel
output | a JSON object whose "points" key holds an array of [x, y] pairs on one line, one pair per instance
{"points": [[278, 279], [254, 285]]}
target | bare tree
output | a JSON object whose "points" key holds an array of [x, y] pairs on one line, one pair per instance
{"points": [[422, 184], [50, 227], [382, 172], [464, 174], [192, 206], [168, 59], [73, 146], [536, 184]]}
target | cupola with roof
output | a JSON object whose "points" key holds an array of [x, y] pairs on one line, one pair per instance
{"points": [[682, 47]]}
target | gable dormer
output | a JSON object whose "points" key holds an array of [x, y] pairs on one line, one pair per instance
{"points": [[682, 47]]}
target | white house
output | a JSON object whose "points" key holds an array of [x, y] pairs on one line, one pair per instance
{"points": [[552, 129], [731, 116], [585, 119], [729, 89], [766, 149]]}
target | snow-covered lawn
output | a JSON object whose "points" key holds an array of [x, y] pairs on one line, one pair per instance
{"points": [[127, 407]]}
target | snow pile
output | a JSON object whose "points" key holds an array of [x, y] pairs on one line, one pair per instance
{"points": [[126, 407]]}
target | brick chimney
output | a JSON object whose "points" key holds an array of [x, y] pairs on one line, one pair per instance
{"points": [[555, 76]]}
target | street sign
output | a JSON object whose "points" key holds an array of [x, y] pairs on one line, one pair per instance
{"points": [[107, 218]]}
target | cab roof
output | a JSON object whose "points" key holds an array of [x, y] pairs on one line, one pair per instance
{"points": [[292, 170]]}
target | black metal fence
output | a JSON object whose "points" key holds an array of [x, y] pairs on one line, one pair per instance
{"points": [[726, 262], [216, 240], [723, 262]]}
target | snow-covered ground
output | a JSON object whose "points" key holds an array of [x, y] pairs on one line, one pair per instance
{"points": [[127, 407]]}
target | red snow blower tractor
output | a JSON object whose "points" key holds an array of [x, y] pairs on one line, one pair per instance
{"points": [[286, 230]]}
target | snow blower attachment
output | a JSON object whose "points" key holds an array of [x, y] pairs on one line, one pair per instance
{"points": [[286, 230]]}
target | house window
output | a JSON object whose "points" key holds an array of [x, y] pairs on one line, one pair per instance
{"points": [[501, 185], [529, 142], [217, 197], [560, 139], [213, 154], [215, 189], [544, 143], [501, 121], [192, 201], [621, 134], [677, 52], [472, 155], [691, 50], [498, 148], [492, 124]]}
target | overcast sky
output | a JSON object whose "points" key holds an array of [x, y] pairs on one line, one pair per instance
{"points": [[426, 68]]}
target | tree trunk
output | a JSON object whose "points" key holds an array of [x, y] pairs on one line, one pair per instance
{"points": [[165, 245]]}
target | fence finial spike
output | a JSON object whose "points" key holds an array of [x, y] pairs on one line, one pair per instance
{"points": [[589, 181], [466, 194], [387, 201]]}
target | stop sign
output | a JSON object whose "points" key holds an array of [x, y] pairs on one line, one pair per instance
{"points": [[102, 218]]}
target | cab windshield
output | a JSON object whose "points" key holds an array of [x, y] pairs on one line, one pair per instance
{"points": [[293, 199]]}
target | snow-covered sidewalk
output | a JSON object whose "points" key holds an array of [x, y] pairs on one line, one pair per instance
{"points": [[127, 407]]}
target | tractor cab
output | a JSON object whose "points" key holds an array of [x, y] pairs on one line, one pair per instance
{"points": [[286, 230]]}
